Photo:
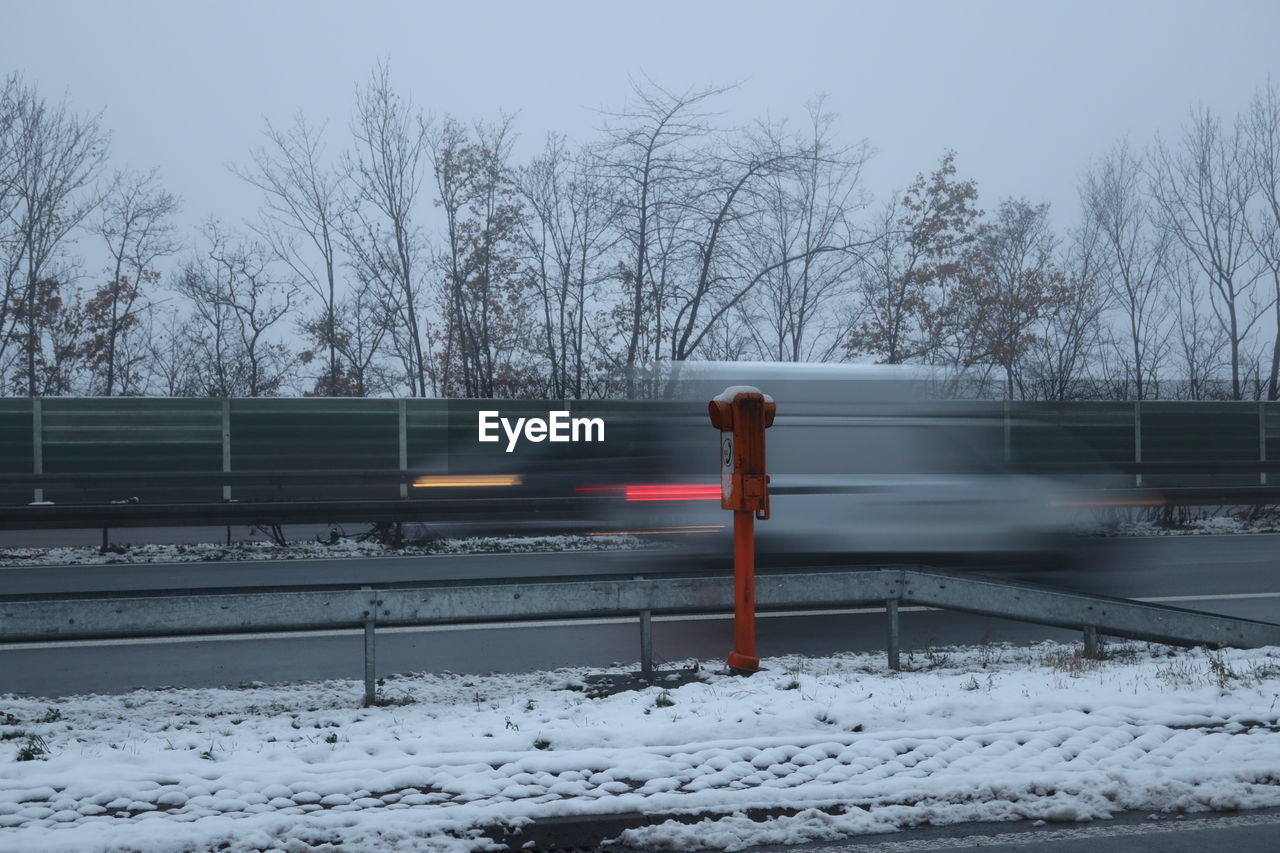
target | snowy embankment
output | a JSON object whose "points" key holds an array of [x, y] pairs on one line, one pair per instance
{"points": [[1209, 525], [304, 550], [835, 746], [343, 548]]}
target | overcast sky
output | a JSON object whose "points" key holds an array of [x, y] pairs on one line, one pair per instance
{"points": [[1026, 92]]}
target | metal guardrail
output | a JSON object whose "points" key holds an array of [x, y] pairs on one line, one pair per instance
{"points": [[1176, 496], [67, 617], [98, 479], [396, 476], [266, 513]]}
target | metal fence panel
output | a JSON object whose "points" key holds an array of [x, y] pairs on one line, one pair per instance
{"points": [[1105, 429], [16, 446], [314, 433], [140, 435], [1199, 431], [122, 435]]}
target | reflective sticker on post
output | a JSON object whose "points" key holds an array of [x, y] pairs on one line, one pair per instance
{"points": [[726, 465]]}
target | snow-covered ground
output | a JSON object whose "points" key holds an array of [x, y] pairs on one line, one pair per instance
{"points": [[309, 550], [1196, 526], [837, 743]]}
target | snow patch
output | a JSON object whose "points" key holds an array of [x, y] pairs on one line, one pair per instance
{"points": [[839, 745], [342, 548]]}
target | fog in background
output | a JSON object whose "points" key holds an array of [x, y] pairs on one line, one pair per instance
{"points": [[1033, 99], [1026, 93]]}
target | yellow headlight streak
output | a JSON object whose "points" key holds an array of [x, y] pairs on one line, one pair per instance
{"points": [[450, 481]]}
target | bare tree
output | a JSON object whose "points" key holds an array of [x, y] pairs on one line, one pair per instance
{"points": [[55, 157], [725, 250], [806, 209], [648, 154], [724, 230], [379, 228], [359, 333], [1202, 189], [1066, 348], [1198, 340], [568, 235], [134, 223], [237, 301], [304, 205], [486, 287], [1261, 128], [172, 343], [1133, 248], [12, 257]]}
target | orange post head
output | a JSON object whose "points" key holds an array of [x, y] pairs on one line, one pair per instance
{"points": [[742, 414]]}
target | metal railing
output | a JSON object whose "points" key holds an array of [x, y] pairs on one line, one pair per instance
{"points": [[69, 617]]}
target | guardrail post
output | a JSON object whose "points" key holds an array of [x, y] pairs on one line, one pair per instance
{"points": [[891, 610], [37, 443], [370, 683], [646, 643], [1137, 439], [1008, 434], [226, 452], [1090, 642], [1262, 440], [403, 416]]}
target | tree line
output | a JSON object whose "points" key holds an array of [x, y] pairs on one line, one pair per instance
{"points": [[416, 255]]}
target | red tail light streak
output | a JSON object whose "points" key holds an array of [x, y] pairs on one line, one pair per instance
{"points": [[657, 491]]}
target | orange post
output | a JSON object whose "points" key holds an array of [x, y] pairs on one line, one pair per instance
{"points": [[743, 658], [742, 414]]}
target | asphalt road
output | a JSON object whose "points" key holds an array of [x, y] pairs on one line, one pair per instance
{"points": [[1236, 575], [1130, 832]]}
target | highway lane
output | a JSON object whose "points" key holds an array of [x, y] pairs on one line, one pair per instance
{"points": [[1125, 567], [1234, 575]]}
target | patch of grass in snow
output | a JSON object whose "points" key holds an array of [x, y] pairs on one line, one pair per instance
{"points": [[34, 748], [1072, 663], [1212, 668], [1222, 673], [664, 700], [930, 660]]}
